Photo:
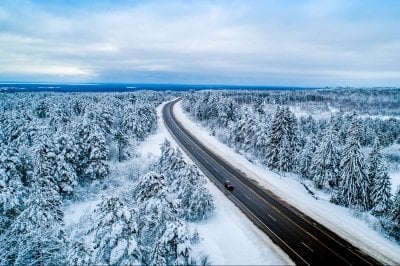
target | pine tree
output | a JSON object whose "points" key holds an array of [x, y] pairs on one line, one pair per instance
{"points": [[305, 158], [122, 144], [326, 160], [261, 140], [13, 193], [173, 247], [36, 235], [113, 235], [93, 153], [380, 182], [354, 188], [155, 208], [283, 142], [171, 162], [196, 202], [275, 137]]}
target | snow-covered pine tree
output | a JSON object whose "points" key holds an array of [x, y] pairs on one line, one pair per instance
{"points": [[226, 109], [196, 202], [173, 247], [326, 161], [166, 153], [66, 164], [156, 209], [274, 139], [380, 182], [249, 130], [122, 144], [93, 152], [146, 121], [283, 142], [395, 214], [36, 236], [305, 158], [354, 180], [13, 193], [261, 140], [171, 162], [284, 155], [113, 235], [238, 131]]}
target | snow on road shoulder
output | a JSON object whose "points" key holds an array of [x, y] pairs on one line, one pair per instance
{"points": [[228, 237], [150, 148], [334, 217]]}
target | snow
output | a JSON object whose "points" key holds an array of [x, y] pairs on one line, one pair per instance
{"points": [[150, 148], [228, 237], [336, 218], [74, 211], [395, 175], [118, 251], [246, 246]]}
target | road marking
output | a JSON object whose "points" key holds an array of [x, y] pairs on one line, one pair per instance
{"points": [[272, 218], [247, 196], [304, 244]]}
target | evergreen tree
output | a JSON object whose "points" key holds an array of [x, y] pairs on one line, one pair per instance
{"points": [[354, 188], [275, 137], [12, 191], [173, 247], [261, 140], [171, 162], [156, 209], [380, 182], [283, 144], [395, 214], [196, 202], [325, 163], [113, 234], [93, 152], [305, 158], [122, 144], [36, 235]]}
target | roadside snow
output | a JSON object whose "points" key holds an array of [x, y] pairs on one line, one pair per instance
{"points": [[228, 237], [336, 218]]}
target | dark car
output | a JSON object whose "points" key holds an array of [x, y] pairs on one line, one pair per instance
{"points": [[228, 185]]}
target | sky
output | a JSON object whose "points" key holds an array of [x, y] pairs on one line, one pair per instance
{"points": [[249, 42]]}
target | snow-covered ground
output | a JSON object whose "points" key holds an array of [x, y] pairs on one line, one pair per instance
{"points": [[228, 237], [338, 219]]}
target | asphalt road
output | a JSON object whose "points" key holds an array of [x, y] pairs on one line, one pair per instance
{"points": [[303, 239]]}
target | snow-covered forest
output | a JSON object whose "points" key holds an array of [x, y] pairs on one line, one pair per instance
{"points": [[57, 149], [341, 142], [60, 152]]}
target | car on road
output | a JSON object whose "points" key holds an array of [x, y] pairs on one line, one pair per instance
{"points": [[228, 185]]}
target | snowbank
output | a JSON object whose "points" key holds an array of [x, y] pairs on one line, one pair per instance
{"points": [[336, 218]]}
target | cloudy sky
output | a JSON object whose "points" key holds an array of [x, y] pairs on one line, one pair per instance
{"points": [[277, 42]]}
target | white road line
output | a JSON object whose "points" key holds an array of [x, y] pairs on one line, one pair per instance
{"points": [[272, 218], [247, 196], [304, 244]]}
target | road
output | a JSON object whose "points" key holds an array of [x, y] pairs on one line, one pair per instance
{"points": [[303, 239]]}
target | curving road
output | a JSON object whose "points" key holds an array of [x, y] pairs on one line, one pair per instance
{"points": [[303, 239]]}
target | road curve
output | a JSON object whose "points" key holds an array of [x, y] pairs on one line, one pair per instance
{"points": [[303, 239]]}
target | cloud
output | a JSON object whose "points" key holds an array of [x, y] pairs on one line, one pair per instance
{"points": [[249, 42]]}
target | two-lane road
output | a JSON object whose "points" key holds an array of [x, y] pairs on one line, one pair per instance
{"points": [[303, 239]]}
